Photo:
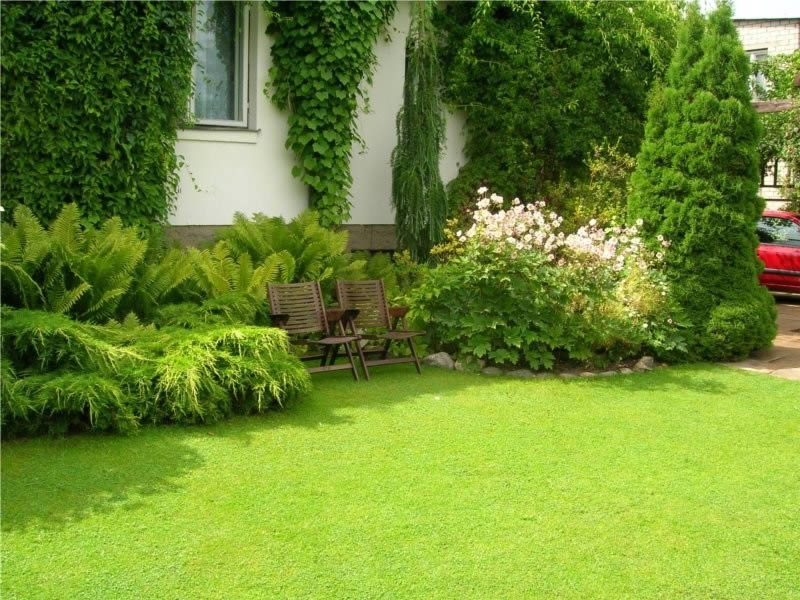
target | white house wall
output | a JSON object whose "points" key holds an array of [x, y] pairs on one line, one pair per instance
{"points": [[250, 171]]}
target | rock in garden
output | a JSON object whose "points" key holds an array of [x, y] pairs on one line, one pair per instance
{"points": [[491, 371], [588, 374], [625, 371], [524, 373], [567, 375], [645, 363], [608, 373], [440, 359]]}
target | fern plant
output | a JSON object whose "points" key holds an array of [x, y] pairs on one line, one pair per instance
{"points": [[91, 273], [302, 249]]}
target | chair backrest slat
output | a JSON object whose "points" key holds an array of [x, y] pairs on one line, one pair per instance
{"points": [[302, 302], [369, 297]]}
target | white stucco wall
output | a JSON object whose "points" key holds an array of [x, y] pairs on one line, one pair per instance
{"points": [[250, 171]]}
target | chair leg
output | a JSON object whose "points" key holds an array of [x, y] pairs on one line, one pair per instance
{"points": [[362, 358], [414, 354], [334, 355], [352, 361], [386, 349], [324, 358]]}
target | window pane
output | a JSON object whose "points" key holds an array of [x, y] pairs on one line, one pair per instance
{"points": [[217, 69], [781, 231]]}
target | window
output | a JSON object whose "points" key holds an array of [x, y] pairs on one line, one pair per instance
{"points": [[769, 175], [221, 69], [778, 230], [758, 83]]}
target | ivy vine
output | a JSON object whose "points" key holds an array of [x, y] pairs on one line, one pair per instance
{"points": [[93, 94], [321, 54]]}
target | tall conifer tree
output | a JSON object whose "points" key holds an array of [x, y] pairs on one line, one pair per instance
{"points": [[418, 195], [696, 184]]}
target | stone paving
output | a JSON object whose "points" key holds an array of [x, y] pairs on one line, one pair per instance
{"points": [[783, 358]]}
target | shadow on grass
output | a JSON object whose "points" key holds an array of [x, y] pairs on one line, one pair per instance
{"points": [[50, 483]]}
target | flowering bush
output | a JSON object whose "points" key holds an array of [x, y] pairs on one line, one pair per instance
{"points": [[515, 289]]}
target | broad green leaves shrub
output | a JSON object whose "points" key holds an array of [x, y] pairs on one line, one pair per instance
{"points": [[517, 291], [696, 183], [93, 94], [67, 375]]}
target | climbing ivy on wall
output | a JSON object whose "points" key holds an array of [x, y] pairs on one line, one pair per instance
{"points": [[321, 54], [92, 96], [541, 83]]}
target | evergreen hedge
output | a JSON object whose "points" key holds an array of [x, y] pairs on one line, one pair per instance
{"points": [[696, 184]]}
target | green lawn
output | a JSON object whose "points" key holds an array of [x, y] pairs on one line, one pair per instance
{"points": [[682, 483]]}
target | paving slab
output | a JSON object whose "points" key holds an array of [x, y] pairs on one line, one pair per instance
{"points": [[783, 358]]}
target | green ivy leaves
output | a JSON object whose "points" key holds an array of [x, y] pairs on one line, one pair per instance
{"points": [[321, 53], [93, 94]]}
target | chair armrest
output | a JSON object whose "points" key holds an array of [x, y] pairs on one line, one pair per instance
{"points": [[279, 319], [398, 311]]}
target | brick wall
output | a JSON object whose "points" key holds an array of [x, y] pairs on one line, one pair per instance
{"points": [[778, 36]]}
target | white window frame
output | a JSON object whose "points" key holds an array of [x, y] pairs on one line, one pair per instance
{"points": [[242, 76]]}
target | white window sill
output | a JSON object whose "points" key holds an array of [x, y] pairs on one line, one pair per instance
{"points": [[229, 136]]}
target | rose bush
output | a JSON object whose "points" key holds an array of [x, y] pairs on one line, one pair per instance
{"points": [[516, 290]]}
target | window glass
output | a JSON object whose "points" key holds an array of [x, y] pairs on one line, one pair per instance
{"points": [[777, 230], [218, 70], [758, 83]]}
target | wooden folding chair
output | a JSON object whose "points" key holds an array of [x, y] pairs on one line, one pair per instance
{"points": [[297, 308], [369, 299]]}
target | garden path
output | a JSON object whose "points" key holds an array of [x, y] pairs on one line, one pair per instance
{"points": [[783, 358]]}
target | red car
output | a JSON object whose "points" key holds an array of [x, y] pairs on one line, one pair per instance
{"points": [[779, 234]]}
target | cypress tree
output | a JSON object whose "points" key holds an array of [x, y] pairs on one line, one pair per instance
{"points": [[418, 195], [696, 184]]}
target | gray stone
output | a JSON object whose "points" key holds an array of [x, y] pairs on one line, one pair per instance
{"points": [[567, 375], [625, 371], [588, 374], [469, 364], [440, 359], [524, 373], [458, 365], [608, 373], [645, 363], [492, 371]]}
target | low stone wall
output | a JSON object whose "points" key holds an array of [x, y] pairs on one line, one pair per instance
{"points": [[362, 237]]}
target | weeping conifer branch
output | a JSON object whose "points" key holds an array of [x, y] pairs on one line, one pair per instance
{"points": [[418, 195]]}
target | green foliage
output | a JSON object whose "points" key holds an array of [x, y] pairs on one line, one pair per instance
{"points": [[92, 273], [696, 184], [524, 310], [68, 375], [321, 54], [301, 250], [542, 82], [418, 195], [781, 138], [92, 94], [399, 272], [603, 196]]}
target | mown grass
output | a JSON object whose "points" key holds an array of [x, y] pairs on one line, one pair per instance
{"points": [[682, 483]]}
